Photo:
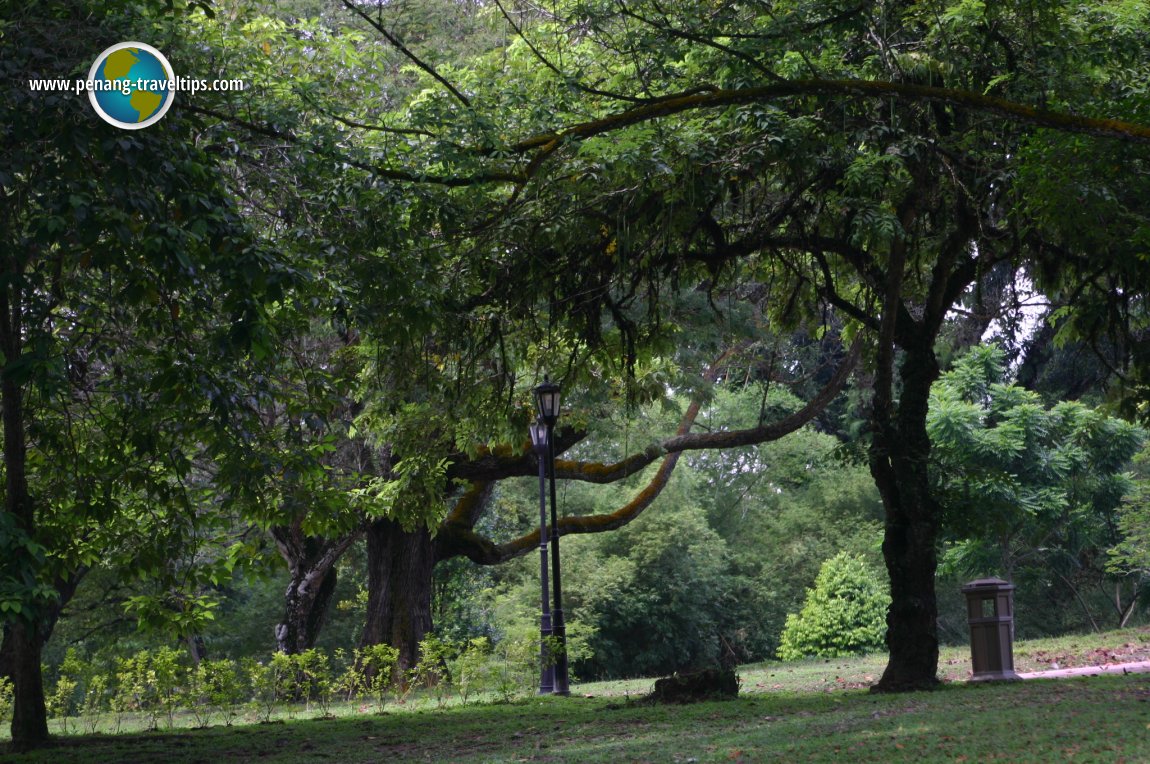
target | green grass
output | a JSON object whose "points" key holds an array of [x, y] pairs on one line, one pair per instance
{"points": [[810, 711]]}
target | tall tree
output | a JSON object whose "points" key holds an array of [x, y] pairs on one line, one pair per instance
{"points": [[861, 168], [128, 280], [854, 164]]}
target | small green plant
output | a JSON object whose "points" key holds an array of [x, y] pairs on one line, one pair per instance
{"points": [[376, 664], [844, 614], [515, 665], [432, 670], [149, 683], [95, 695], [225, 688], [62, 701], [348, 683], [196, 697], [126, 695], [471, 668], [164, 674], [214, 688], [267, 682], [315, 679], [285, 681], [262, 701]]}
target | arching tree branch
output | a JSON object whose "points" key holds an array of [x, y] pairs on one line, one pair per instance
{"points": [[460, 540], [850, 88]]}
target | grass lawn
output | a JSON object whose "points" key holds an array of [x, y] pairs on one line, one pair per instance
{"points": [[811, 711]]}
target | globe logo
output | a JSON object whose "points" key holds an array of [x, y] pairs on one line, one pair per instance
{"points": [[131, 85]]}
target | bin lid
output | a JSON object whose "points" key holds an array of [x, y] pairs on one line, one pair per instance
{"points": [[987, 584]]}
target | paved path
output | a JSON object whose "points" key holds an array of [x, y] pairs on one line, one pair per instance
{"points": [[1142, 667]]}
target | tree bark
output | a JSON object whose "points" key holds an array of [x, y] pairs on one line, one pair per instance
{"points": [[29, 715], [66, 588], [7, 661], [311, 561], [898, 461], [399, 579]]}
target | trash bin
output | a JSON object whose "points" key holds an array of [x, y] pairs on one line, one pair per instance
{"points": [[990, 613]]}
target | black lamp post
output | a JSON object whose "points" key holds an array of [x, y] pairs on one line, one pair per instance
{"points": [[540, 440], [547, 400]]}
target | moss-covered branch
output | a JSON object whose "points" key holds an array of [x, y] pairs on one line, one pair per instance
{"points": [[849, 88], [459, 539]]}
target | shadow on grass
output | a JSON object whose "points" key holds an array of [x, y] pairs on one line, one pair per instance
{"points": [[1095, 719]]}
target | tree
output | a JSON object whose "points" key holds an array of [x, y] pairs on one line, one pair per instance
{"points": [[773, 150], [1129, 559], [1029, 490], [843, 614], [886, 211], [123, 302]]}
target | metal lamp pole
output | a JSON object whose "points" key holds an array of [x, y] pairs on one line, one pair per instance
{"points": [[547, 399], [540, 440]]}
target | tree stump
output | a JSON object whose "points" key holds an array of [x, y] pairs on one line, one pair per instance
{"points": [[708, 684]]}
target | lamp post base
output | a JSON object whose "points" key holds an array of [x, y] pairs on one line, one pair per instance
{"points": [[559, 632], [546, 663]]}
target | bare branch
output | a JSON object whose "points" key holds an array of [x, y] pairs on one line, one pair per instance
{"points": [[547, 62], [702, 40], [395, 41]]}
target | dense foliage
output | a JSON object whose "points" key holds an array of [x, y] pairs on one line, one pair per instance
{"points": [[843, 614], [298, 325]]}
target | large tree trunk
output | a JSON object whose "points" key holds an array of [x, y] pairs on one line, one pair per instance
{"points": [[29, 715], [66, 587], [898, 460], [399, 576], [311, 565]]}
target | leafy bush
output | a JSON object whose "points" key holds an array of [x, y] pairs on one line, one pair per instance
{"points": [[313, 672], [149, 682], [374, 666], [268, 683], [844, 614], [471, 668], [95, 696], [61, 702], [215, 687], [514, 666], [432, 671]]}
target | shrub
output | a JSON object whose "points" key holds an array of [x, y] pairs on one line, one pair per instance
{"points": [[214, 687], [61, 702], [375, 664], [844, 614], [471, 668], [265, 683], [95, 694], [514, 667], [165, 674], [432, 670], [313, 672]]}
